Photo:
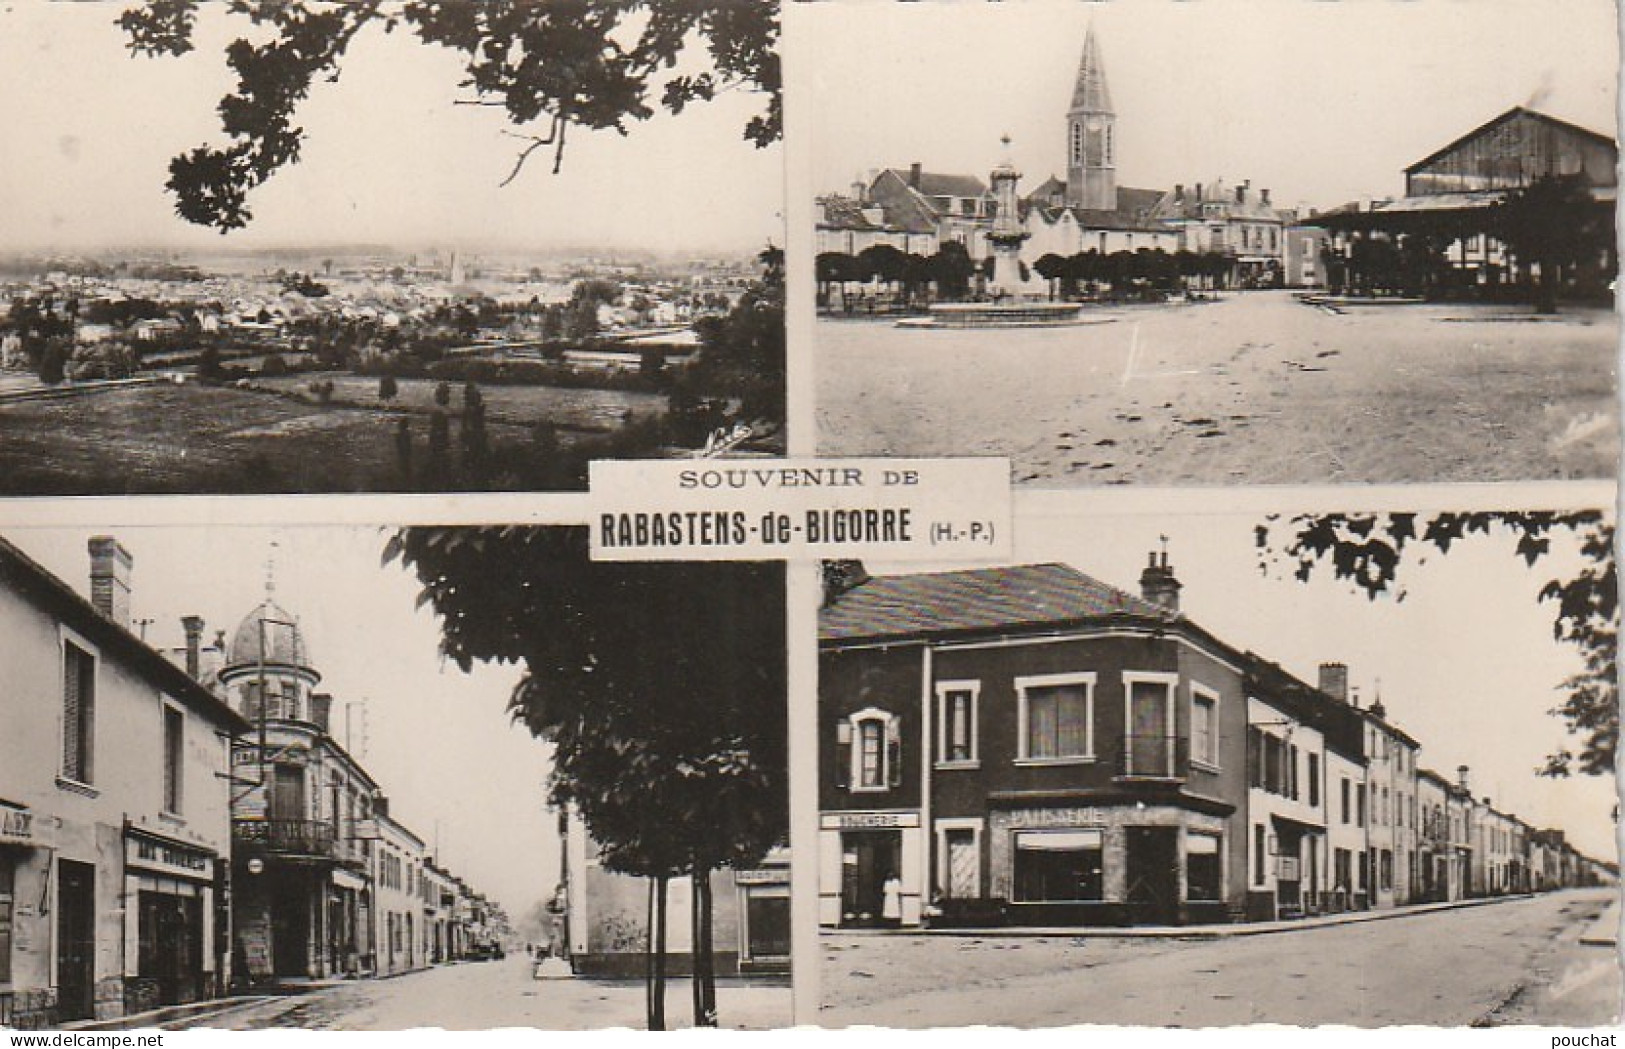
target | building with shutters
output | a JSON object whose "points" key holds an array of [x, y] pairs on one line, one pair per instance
{"points": [[114, 808], [303, 819], [1028, 744]]}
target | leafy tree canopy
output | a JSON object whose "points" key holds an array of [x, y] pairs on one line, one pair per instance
{"points": [[549, 64], [1369, 550]]}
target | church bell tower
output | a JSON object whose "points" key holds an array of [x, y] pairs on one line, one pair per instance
{"points": [[1091, 160]]}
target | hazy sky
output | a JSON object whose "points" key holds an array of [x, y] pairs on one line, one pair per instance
{"points": [[1321, 102], [88, 130], [438, 741], [1466, 662]]}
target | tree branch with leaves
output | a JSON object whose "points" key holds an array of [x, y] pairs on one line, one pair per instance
{"points": [[1370, 551], [549, 64]]}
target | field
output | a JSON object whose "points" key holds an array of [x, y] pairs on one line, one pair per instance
{"points": [[1255, 389], [172, 439]]}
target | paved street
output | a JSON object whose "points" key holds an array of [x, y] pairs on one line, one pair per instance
{"points": [[488, 995], [1255, 389], [1517, 961]]}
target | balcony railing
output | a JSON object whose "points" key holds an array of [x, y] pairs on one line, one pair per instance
{"points": [[295, 838], [1154, 757]]}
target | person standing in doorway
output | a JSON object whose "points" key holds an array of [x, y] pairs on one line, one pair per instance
{"points": [[891, 901]]}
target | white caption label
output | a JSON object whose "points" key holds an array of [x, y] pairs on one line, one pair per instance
{"points": [[802, 509]]}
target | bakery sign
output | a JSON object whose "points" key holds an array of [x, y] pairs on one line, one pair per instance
{"points": [[17, 826], [158, 856]]}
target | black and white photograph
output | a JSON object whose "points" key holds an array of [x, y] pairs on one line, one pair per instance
{"points": [[1209, 769], [384, 247], [376, 779], [1211, 244]]}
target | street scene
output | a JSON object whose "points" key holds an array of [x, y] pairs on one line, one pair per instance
{"points": [[1302, 744], [290, 307], [1119, 256], [239, 769], [1514, 962]]}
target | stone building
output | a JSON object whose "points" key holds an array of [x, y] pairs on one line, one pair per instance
{"points": [[114, 806]]}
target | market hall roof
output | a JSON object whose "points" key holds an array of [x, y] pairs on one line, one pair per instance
{"points": [[979, 599]]}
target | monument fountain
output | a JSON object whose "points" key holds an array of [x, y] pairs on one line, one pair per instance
{"points": [[1007, 308]]}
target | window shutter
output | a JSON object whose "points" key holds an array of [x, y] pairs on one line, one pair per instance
{"points": [[843, 754], [894, 754], [70, 712]]}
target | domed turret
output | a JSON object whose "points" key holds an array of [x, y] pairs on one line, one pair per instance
{"points": [[282, 665], [284, 642]]}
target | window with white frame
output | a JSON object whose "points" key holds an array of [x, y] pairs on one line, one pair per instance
{"points": [[1204, 726], [956, 722], [1204, 866], [870, 745], [1055, 715]]}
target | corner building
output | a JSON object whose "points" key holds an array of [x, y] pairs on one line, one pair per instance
{"points": [[1032, 742]]}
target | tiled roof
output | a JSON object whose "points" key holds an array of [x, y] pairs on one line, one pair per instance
{"points": [[938, 185], [980, 599], [844, 213]]}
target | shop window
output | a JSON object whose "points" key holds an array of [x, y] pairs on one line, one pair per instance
{"points": [[956, 721], [7, 894], [1202, 867], [1059, 866], [1056, 717], [78, 712], [767, 925]]}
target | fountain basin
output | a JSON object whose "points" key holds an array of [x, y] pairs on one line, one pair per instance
{"points": [[1002, 315]]}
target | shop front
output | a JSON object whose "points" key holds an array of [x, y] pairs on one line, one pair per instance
{"points": [[764, 909], [27, 998], [873, 875], [1132, 864], [170, 922]]}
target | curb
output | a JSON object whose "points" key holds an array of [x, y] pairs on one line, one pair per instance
{"points": [[1192, 932]]}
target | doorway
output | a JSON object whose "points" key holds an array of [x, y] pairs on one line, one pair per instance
{"points": [[867, 859], [1153, 874], [76, 940]]}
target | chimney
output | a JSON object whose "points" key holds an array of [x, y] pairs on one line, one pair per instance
{"points": [[110, 566], [1198, 192], [859, 191], [914, 175], [1179, 191], [321, 710], [193, 626], [1334, 681], [1158, 584], [1264, 195], [1461, 778], [1241, 193]]}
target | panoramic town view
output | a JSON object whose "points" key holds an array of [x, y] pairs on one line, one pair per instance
{"points": [[343, 320], [1130, 761], [235, 785], [1221, 281]]}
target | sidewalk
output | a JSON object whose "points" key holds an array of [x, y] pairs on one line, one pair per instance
{"points": [[171, 1013], [1604, 932], [1192, 932]]}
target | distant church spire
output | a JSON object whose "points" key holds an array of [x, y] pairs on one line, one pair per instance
{"points": [[1091, 160], [1091, 95]]}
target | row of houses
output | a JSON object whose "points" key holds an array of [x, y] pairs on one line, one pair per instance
{"points": [[1447, 204], [1030, 745], [179, 823]]}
